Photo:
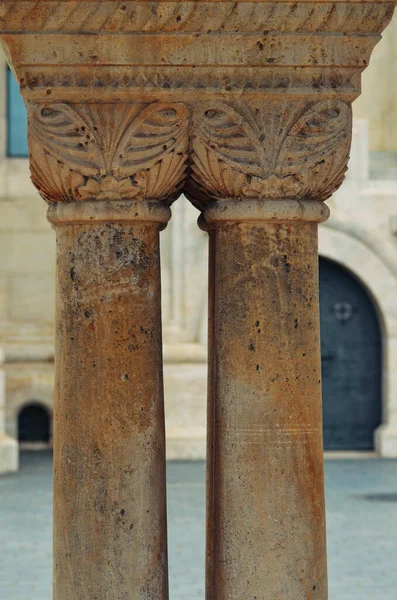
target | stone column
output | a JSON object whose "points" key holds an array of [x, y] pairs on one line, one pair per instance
{"points": [[266, 521], [254, 98], [264, 161], [109, 161], [9, 451], [108, 172], [110, 538]]}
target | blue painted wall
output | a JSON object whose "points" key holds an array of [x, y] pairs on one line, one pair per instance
{"points": [[17, 142]]}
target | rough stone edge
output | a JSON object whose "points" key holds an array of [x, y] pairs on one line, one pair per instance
{"points": [[386, 441], [9, 455]]}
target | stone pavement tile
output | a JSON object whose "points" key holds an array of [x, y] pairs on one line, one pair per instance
{"points": [[186, 525], [362, 533]]}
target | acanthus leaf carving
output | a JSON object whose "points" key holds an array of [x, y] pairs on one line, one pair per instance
{"points": [[317, 134], [241, 149], [66, 136], [231, 137], [114, 151], [62, 183], [156, 130], [270, 150]]}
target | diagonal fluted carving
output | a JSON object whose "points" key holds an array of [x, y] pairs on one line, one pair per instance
{"points": [[132, 16], [109, 151]]}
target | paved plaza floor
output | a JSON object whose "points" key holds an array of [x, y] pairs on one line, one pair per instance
{"points": [[362, 529]]}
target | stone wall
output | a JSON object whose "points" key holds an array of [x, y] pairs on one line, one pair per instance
{"points": [[378, 103]]}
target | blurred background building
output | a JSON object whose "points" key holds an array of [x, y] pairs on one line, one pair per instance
{"points": [[358, 288]]}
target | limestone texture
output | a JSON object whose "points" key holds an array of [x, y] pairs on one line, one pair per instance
{"points": [[246, 108], [266, 517], [109, 440]]}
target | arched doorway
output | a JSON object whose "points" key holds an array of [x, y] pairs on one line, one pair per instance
{"points": [[351, 360], [34, 424]]}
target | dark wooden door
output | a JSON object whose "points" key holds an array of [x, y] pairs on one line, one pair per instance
{"points": [[351, 360]]}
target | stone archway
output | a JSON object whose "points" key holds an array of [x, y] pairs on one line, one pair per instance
{"points": [[34, 425], [351, 355], [359, 258]]}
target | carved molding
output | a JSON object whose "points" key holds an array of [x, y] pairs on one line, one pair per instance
{"points": [[188, 46], [190, 16], [108, 151], [233, 150], [281, 80]]}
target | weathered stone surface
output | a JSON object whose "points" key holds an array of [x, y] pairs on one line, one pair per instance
{"points": [[245, 106], [266, 517], [108, 151], [109, 448], [121, 108]]}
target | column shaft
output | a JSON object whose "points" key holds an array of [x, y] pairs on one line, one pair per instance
{"points": [[266, 522], [109, 473]]}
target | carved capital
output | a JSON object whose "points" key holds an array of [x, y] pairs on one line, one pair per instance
{"points": [[233, 149], [269, 150], [143, 100], [108, 151]]}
